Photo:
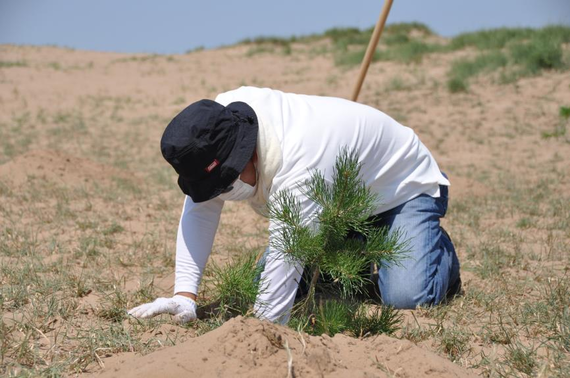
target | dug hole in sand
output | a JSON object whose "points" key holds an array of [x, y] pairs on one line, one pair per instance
{"points": [[246, 347]]}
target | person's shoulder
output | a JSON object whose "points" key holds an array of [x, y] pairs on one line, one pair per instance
{"points": [[244, 94]]}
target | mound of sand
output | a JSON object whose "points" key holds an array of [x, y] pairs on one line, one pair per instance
{"points": [[60, 168], [254, 348]]}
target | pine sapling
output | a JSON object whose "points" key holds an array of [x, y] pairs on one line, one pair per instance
{"points": [[339, 241]]}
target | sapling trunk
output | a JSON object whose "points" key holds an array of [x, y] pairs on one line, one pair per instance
{"points": [[312, 288]]}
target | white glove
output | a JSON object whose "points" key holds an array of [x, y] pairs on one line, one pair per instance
{"points": [[183, 309]]}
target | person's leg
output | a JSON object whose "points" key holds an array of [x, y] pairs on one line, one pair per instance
{"points": [[431, 266]]}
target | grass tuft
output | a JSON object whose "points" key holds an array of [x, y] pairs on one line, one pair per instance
{"points": [[350, 44], [457, 84], [462, 70], [490, 39], [16, 63], [538, 54], [564, 112], [114, 306], [560, 129], [516, 52], [407, 28], [409, 51], [350, 318], [353, 58], [236, 285], [455, 343]]}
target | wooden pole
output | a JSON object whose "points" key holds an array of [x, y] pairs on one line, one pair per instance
{"points": [[371, 48]]}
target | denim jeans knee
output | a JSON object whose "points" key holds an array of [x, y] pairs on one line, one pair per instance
{"points": [[424, 275]]}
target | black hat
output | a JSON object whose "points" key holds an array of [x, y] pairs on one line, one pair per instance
{"points": [[208, 145]]}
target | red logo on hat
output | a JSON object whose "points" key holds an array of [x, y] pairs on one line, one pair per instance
{"points": [[212, 165]]}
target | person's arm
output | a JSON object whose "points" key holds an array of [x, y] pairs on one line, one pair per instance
{"points": [[281, 276], [279, 282], [196, 231]]}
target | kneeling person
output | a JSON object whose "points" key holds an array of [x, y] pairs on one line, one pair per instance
{"points": [[251, 143]]}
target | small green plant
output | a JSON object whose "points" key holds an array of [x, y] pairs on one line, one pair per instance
{"points": [[564, 112], [538, 54], [493, 39], [195, 49], [114, 305], [525, 223], [521, 358], [16, 63], [349, 36], [114, 228], [338, 255], [564, 329], [262, 45], [409, 50], [260, 49], [561, 126], [516, 52], [454, 343], [352, 318], [490, 39], [400, 28], [236, 285], [353, 58], [350, 44], [394, 34], [457, 84], [398, 84], [462, 70]]}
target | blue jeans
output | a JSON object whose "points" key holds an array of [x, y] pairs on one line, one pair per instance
{"points": [[431, 266]]}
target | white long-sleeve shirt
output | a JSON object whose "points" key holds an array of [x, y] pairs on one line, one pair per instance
{"points": [[311, 131]]}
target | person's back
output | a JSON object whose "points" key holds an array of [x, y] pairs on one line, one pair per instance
{"points": [[313, 129]]}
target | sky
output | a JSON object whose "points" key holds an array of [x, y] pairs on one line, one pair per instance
{"points": [[176, 26]]}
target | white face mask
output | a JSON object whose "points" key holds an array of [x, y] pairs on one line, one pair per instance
{"points": [[240, 191]]}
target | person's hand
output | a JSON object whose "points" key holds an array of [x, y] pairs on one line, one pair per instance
{"points": [[183, 309]]}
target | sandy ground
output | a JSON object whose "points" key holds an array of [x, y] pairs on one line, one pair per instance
{"points": [[82, 177], [250, 348]]}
